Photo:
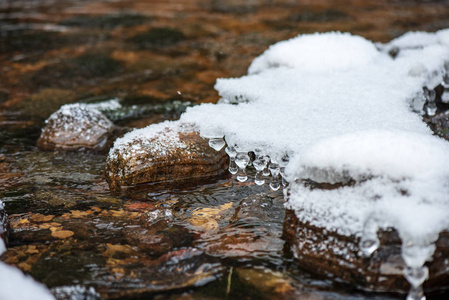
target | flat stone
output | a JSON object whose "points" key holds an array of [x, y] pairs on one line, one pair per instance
{"points": [[162, 155], [76, 127]]}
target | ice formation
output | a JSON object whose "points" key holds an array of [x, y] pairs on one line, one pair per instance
{"points": [[336, 108]]}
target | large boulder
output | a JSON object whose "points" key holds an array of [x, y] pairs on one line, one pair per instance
{"points": [[163, 152], [76, 127], [326, 252]]}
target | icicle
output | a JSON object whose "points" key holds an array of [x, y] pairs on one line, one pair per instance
{"points": [[217, 143], [233, 169], [445, 84], [415, 255], [265, 171], [274, 169], [369, 241], [431, 107], [283, 163], [259, 164], [242, 160], [416, 277]]}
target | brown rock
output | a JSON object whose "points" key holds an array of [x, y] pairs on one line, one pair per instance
{"points": [[162, 153], [324, 252], [76, 127]]}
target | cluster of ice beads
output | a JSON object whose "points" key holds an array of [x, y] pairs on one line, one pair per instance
{"points": [[265, 166]]}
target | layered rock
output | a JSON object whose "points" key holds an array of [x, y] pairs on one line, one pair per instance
{"points": [[162, 152], [325, 252], [76, 127]]}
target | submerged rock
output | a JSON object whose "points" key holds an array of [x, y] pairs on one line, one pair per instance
{"points": [[162, 153], [326, 252], [76, 127]]}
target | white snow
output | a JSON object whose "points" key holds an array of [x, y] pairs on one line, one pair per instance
{"points": [[159, 137], [340, 107], [15, 285], [317, 53]]}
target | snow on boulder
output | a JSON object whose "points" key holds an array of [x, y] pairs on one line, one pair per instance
{"points": [[334, 110]]}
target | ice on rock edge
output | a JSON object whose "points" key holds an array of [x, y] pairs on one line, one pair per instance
{"points": [[340, 106]]}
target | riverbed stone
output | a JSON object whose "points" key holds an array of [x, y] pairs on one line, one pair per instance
{"points": [[162, 153], [339, 257], [76, 127]]}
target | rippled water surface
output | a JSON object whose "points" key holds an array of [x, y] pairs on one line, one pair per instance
{"points": [[218, 240]]}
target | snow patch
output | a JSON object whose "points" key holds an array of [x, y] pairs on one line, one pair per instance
{"points": [[15, 285], [159, 137], [340, 108]]}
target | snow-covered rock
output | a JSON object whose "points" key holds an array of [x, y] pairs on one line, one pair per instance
{"points": [[76, 127], [339, 106], [164, 152]]}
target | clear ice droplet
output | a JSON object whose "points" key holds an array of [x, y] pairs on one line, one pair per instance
{"points": [[275, 182], [369, 241], [233, 169], [369, 245], [265, 170], [259, 164], [242, 160], [445, 84], [242, 177], [416, 276], [216, 143], [231, 151], [431, 109], [429, 96], [416, 293]]}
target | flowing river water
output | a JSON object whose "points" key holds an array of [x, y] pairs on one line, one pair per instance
{"points": [[218, 240]]}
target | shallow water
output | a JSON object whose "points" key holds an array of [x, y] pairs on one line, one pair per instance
{"points": [[218, 240]]}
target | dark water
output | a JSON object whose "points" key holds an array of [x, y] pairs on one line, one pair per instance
{"points": [[217, 240]]}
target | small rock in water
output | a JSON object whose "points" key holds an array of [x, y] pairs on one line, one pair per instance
{"points": [[76, 127], [162, 153]]}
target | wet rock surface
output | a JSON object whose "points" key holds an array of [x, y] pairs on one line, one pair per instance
{"points": [[76, 127], [339, 257], [167, 156]]}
